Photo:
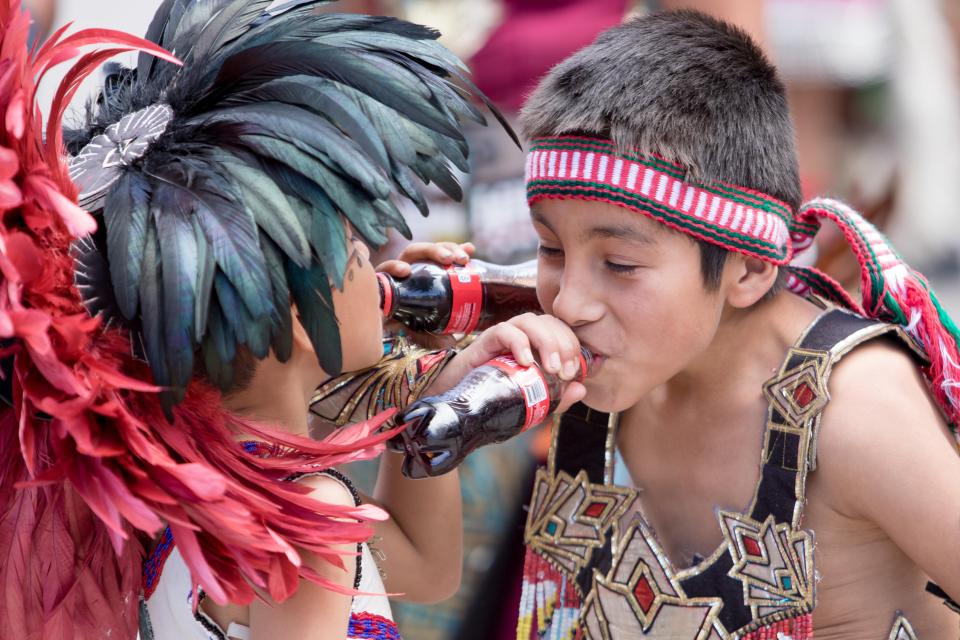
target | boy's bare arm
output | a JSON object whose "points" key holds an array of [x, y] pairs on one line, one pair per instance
{"points": [[887, 456]]}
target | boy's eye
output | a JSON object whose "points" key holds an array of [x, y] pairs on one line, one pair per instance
{"points": [[549, 252], [621, 268]]}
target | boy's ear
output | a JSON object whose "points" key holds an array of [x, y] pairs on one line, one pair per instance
{"points": [[747, 280]]}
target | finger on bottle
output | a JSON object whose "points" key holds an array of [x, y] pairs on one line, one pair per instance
{"points": [[397, 268], [553, 362], [575, 392]]}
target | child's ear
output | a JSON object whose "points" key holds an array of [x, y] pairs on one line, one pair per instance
{"points": [[301, 340], [747, 279]]}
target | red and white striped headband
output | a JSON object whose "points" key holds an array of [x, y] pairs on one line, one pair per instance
{"points": [[736, 218]]}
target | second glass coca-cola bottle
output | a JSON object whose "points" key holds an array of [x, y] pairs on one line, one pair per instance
{"points": [[459, 299], [493, 403]]}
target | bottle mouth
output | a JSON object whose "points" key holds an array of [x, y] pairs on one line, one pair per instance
{"points": [[386, 294], [586, 362]]}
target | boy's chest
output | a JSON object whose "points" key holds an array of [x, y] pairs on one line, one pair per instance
{"points": [[701, 497], [684, 480]]}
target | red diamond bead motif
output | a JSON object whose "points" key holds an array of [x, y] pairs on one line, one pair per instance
{"points": [[803, 395], [594, 509], [752, 546], [644, 594]]}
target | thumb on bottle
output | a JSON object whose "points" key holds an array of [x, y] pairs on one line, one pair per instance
{"points": [[396, 268], [572, 394]]}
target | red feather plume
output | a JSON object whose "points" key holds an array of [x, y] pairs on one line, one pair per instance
{"points": [[89, 466]]}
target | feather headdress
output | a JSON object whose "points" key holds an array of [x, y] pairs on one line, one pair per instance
{"points": [[225, 183], [217, 189]]}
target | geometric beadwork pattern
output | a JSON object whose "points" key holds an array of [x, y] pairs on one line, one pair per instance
{"points": [[902, 630], [800, 393], [633, 591], [570, 517], [639, 598], [773, 561]]}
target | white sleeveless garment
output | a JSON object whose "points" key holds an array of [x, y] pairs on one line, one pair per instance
{"points": [[166, 612]]}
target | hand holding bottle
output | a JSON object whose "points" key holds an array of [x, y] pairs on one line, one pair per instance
{"points": [[500, 391], [459, 298], [442, 254]]}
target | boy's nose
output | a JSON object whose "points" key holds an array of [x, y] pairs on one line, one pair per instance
{"points": [[577, 302]]}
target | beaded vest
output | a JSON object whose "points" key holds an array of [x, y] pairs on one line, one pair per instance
{"points": [[594, 568]]}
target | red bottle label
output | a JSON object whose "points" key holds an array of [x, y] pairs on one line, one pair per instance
{"points": [[536, 393], [467, 299]]}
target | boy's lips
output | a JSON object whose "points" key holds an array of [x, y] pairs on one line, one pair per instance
{"points": [[597, 360]]}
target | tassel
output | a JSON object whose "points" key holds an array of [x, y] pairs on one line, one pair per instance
{"points": [[549, 602], [890, 290], [550, 594], [570, 601], [527, 602]]}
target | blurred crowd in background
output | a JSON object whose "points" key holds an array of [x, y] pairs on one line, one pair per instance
{"points": [[875, 92]]}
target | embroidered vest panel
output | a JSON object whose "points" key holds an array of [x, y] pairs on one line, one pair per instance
{"points": [[594, 568]]}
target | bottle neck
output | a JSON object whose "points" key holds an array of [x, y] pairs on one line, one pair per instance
{"points": [[586, 363], [388, 294], [523, 274]]}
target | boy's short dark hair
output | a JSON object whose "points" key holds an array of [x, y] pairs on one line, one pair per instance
{"points": [[687, 87]]}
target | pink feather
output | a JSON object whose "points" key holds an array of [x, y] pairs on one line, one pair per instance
{"points": [[89, 465]]}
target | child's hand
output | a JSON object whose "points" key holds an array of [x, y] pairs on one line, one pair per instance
{"points": [[439, 252], [557, 348]]}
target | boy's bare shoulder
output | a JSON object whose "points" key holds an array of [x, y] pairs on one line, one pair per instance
{"points": [[878, 386], [881, 418], [886, 456]]}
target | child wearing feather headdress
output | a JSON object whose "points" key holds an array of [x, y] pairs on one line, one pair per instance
{"points": [[162, 342]]}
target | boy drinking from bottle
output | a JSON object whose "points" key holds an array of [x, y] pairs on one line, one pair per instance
{"points": [[791, 451]]}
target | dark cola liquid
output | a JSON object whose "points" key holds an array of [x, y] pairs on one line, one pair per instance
{"points": [[491, 404], [441, 300], [504, 301], [423, 299]]}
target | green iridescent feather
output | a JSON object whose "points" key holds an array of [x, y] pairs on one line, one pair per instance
{"points": [[285, 126]]}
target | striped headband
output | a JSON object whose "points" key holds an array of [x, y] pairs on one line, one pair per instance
{"points": [[736, 218], [750, 222]]}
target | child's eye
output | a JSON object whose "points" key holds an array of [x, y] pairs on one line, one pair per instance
{"points": [[549, 252], [621, 268]]}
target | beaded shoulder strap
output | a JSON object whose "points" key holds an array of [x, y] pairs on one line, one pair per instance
{"points": [[796, 396]]}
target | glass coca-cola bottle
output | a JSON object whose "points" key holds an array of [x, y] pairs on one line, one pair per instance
{"points": [[493, 403], [459, 299]]}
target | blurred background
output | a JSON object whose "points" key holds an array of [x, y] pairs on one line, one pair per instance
{"points": [[875, 92]]}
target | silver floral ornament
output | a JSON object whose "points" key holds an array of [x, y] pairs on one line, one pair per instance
{"points": [[101, 162]]}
